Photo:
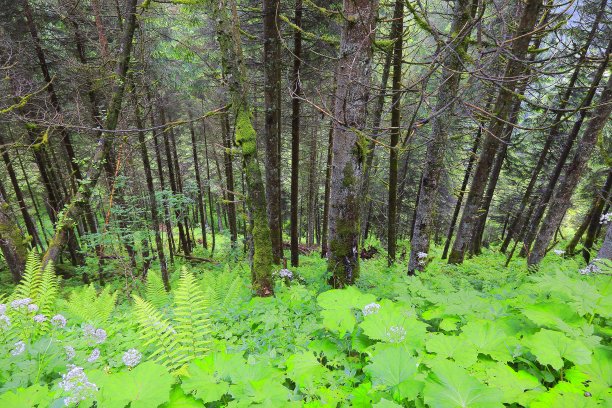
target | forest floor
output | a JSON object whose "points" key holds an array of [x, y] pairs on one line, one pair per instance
{"points": [[473, 335]]}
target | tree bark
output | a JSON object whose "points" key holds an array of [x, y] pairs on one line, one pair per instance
{"points": [[228, 35], [350, 146], [200, 199], [595, 218], [12, 241]]}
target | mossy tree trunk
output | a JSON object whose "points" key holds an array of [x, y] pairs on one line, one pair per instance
{"points": [[12, 242], [228, 35], [350, 144]]}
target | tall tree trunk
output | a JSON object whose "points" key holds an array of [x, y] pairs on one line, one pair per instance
{"points": [[515, 68], [272, 85], [330, 143], [295, 133], [562, 198], [228, 35], [210, 200], [595, 218], [75, 208], [605, 252], [441, 124], [312, 187], [349, 147], [397, 31]]}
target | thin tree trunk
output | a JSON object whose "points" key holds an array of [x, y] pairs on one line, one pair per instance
{"points": [[330, 143], [295, 132], [210, 200], [229, 177], [11, 241], [312, 188], [200, 199], [595, 218], [397, 31], [349, 148]]}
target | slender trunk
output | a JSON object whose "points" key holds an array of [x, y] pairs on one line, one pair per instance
{"points": [[229, 177], [200, 199], [562, 198], [441, 124], [349, 147], [295, 133], [210, 200], [595, 218], [11, 241], [312, 188], [397, 31], [324, 232]]}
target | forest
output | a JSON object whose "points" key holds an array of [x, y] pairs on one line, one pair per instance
{"points": [[305, 203]]}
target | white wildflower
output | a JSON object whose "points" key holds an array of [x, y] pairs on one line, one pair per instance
{"points": [[76, 383], [39, 318], [97, 335], [18, 303], [32, 307], [131, 358], [285, 273], [559, 252], [19, 348], [371, 308], [2, 308], [95, 354], [605, 218], [70, 352], [59, 321], [396, 334], [421, 255], [5, 322], [591, 268]]}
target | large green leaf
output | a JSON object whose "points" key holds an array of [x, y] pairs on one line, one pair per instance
{"points": [[394, 367], [489, 338], [449, 386], [148, 385], [338, 305], [554, 315], [203, 381], [551, 347], [395, 323], [33, 396], [596, 377], [458, 348], [305, 370]]}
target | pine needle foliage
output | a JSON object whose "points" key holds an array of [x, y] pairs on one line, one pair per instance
{"points": [[178, 340]]}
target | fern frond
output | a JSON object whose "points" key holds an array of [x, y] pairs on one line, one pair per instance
{"points": [[89, 306], [157, 332], [29, 285], [234, 292], [49, 288], [191, 317], [155, 291]]}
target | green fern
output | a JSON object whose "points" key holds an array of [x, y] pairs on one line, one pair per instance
{"points": [[224, 290], [88, 305], [178, 341], [155, 292], [48, 290], [29, 285]]}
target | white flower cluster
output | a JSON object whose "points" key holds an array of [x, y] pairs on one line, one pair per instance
{"points": [[97, 335], [285, 273], [396, 334], [131, 358], [32, 307], [19, 303], [591, 268], [18, 348], [371, 308], [559, 252], [58, 321], [605, 218], [95, 354], [76, 383], [40, 318], [5, 321]]}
